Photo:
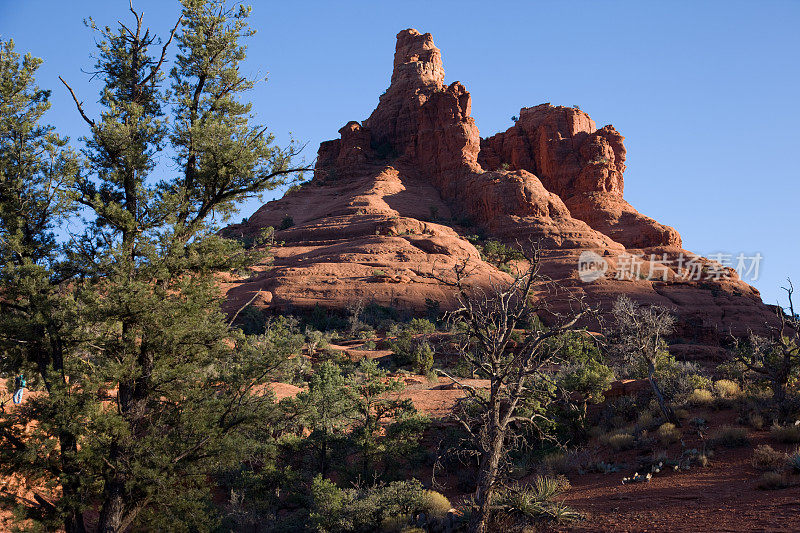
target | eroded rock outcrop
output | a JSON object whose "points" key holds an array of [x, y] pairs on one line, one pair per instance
{"points": [[583, 165], [394, 197]]}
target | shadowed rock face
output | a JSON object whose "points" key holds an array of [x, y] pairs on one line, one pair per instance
{"points": [[385, 217]]}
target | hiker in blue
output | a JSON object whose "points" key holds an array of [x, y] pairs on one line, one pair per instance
{"points": [[19, 385]]}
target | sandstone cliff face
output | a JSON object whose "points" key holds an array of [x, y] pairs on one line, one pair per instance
{"points": [[393, 198], [583, 165]]}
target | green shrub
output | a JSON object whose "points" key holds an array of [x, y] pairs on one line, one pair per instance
{"points": [[412, 350], [645, 421], [286, 223], [789, 434], [555, 463], [498, 253], [728, 436], [337, 510], [422, 358], [678, 378], [621, 441], [420, 326]]}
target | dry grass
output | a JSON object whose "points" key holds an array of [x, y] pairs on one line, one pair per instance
{"points": [[786, 434], [435, 503], [727, 389], [772, 481], [668, 433], [756, 421], [621, 441], [700, 397], [728, 436], [767, 458]]}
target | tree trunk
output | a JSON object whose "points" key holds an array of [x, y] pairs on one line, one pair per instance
{"points": [[113, 509], [70, 484], [487, 474], [779, 397], [324, 456], [666, 410]]}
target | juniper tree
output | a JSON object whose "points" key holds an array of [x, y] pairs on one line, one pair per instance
{"points": [[37, 313], [327, 408], [157, 389], [384, 426], [774, 358]]}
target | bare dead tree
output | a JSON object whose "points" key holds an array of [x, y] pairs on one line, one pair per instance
{"points": [[775, 357], [494, 418], [639, 335]]}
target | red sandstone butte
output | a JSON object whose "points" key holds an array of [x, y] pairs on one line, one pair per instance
{"points": [[394, 197]]}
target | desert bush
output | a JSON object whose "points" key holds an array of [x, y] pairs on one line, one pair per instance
{"points": [[359, 509], [668, 433], [369, 345], [286, 223], [755, 420], [435, 504], [555, 463], [767, 458], [789, 434], [618, 421], [700, 397], [422, 358], [315, 340], [772, 481], [728, 436], [679, 378], [414, 351], [578, 460], [420, 326], [645, 421], [793, 461], [621, 441], [601, 467], [727, 389], [698, 422], [498, 253]]}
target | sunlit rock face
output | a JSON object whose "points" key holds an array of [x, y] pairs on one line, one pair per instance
{"points": [[395, 196]]}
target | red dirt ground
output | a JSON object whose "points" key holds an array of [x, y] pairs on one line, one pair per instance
{"points": [[720, 497]]}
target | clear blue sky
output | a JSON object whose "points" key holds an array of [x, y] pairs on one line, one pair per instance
{"points": [[704, 92]]}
